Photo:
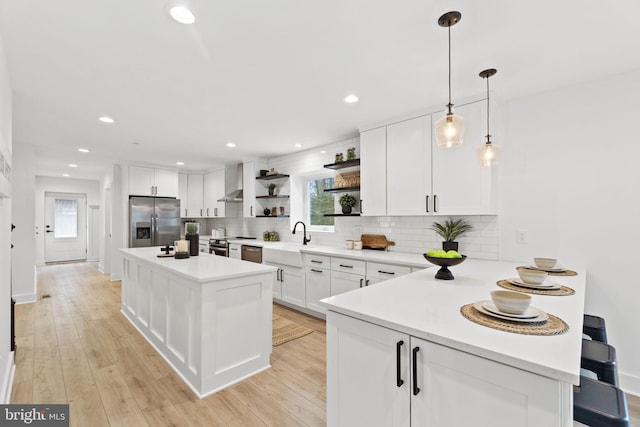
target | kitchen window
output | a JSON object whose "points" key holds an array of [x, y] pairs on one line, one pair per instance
{"points": [[318, 203]]}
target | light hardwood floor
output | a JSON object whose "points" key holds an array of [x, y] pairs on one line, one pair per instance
{"points": [[76, 347]]}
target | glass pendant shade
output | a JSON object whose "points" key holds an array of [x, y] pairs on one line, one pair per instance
{"points": [[449, 131], [489, 154]]}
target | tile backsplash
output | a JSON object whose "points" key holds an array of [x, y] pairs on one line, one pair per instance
{"points": [[411, 234]]}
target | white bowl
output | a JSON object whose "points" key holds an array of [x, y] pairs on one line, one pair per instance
{"points": [[545, 262], [533, 277], [511, 302]]}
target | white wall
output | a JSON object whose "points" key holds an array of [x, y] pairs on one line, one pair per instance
{"points": [[569, 178], [60, 185], [23, 262], [6, 355]]}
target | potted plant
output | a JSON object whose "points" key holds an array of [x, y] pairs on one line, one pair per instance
{"points": [[450, 231], [191, 234], [271, 187], [351, 153], [347, 201]]}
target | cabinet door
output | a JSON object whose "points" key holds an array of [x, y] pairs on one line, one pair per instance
{"points": [[367, 374], [318, 281], [166, 182], [141, 181], [249, 190], [293, 286], [460, 185], [345, 282], [409, 167], [373, 172], [277, 284], [491, 393], [194, 195], [214, 189], [183, 192]]}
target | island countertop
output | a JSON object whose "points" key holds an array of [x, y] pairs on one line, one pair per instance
{"points": [[202, 268], [428, 308]]}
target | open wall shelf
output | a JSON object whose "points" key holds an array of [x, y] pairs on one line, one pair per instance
{"points": [[342, 165], [272, 216], [341, 214], [279, 196], [339, 190], [276, 176]]}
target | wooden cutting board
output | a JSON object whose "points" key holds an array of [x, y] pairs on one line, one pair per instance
{"points": [[375, 241]]}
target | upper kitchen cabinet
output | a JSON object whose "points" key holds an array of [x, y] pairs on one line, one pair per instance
{"points": [[373, 172], [214, 190], [460, 185], [195, 193], [146, 181], [183, 192], [409, 167], [249, 189]]}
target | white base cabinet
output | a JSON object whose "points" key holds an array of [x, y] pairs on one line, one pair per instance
{"points": [[290, 284], [381, 377]]}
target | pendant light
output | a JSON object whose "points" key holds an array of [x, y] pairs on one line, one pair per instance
{"points": [[450, 128], [489, 153]]}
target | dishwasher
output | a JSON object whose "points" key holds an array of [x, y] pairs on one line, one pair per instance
{"points": [[251, 253]]}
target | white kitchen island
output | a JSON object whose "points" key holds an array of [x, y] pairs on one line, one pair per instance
{"points": [[208, 316], [400, 353]]}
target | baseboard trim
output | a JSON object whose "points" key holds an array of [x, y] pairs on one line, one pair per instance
{"points": [[25, 298], [101, 268], [7, 379], [116, 277], [629, 383]]}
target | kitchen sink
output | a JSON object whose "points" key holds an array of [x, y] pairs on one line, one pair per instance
{"points": [[283, 253]]}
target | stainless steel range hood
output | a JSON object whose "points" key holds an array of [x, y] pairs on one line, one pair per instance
{"points": [[235, 194]]}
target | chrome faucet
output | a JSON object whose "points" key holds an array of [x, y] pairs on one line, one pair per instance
{"points": [[304, 231]]}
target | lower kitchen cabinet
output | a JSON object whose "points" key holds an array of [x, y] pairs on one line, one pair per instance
{"points": [[345, 282], [318, 282], [293, 284], [377, 376]]}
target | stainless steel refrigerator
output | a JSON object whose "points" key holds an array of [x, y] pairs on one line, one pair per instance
{"points": [[153, 221]]}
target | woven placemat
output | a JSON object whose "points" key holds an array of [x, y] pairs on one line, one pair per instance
{"points": [[552, 273], [563, 291], [553, 326]]}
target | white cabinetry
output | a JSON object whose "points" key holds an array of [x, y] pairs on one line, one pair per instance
{"points": [[183, 192], [373, 172], [214, 189], [381, 377], [235, 250], [290, 284], [194, 194], [403, 172], [146, 181], [249, 190], [318, 280], [347, 275]]}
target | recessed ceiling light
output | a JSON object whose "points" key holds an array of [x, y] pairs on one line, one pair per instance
{"points": [[135, 143], [180, 163], [323, 151], [72, 165], [298, 145], [84, 150], [106, 119], [231, 144], [65, 174], [182, 15], [350, 99]]}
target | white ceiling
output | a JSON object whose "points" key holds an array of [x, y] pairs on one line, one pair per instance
{"points": [[267, 74]]}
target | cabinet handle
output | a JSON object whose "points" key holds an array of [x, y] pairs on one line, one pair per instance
{"points": [[435, 203], [215, 211], [361, 282], [366, 282], [250, 210], [207, 211], [399, 381], [282, 275], [200, 212], [361, 209], [346, 266], [386, 272], [426, 203], [416, 389], [152, 190], [277, 275], [316, 261], [318, 271]]}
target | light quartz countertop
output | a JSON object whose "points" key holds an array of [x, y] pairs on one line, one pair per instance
{"points": [[396, 258], [202, 268], [428, 308]]}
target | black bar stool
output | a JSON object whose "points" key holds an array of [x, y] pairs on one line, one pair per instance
{"points": [[596, 403], [600, 358], [594, 327]]}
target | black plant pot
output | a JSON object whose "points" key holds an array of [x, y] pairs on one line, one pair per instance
{"points": [[194, 243], [346, 210], [450, 246]]}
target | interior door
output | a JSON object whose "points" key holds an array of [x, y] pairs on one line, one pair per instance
{"points": [[65, 227]]}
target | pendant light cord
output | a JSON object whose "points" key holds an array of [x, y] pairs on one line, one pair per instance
{"points": [[449, 106], [488, 133]]}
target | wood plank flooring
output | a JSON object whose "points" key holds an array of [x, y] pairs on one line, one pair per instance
{"points": [[76, 347]]}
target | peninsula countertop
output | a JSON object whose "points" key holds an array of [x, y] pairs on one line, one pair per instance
{"points": [[428, 308], [202, 268]]}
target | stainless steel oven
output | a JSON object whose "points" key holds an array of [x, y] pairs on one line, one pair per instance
{"points": [[219, 247], [252, 253]]}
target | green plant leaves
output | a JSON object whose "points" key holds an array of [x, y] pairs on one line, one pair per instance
{"points": [[451, 229]]}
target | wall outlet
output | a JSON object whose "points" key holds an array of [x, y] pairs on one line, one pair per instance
{"points": [[522, 237]]}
